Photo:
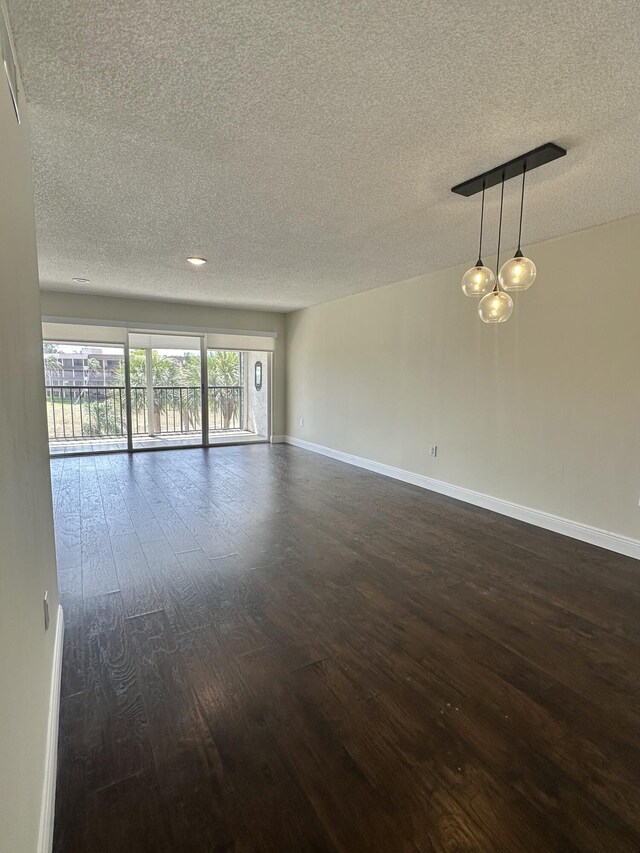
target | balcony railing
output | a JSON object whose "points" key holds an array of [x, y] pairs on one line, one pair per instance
{"points": [[88, 411], [92, 411], [226, 407]]}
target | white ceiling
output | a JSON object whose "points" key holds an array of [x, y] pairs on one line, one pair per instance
{"points": [[307, 147]]}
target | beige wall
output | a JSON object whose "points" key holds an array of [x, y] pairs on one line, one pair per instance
{"points": [[27, 558], [115, 309], [543, 411]]}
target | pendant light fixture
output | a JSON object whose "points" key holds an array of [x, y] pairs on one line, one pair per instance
{"points": [[519, 272], [496, 307], [479, 280]]}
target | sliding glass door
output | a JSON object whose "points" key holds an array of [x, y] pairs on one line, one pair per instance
{"points": [[158, 390], [165, 374], [85, 397], [238, 396]]}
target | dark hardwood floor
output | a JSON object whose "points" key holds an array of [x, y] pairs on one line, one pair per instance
{"points": [[267, 650]]}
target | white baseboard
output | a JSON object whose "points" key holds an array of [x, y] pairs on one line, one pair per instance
{"points": [[278, 439], [45, 837], [575, 529]]}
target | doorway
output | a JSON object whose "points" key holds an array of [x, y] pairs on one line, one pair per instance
{"points": [[85, 397]]}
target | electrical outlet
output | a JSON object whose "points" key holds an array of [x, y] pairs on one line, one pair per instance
{"points": [[45, 602], [301, 421], [433, 450]]}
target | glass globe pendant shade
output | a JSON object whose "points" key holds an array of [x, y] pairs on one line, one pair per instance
{"points": [[478, 280], [519, 273], [495, 307]]}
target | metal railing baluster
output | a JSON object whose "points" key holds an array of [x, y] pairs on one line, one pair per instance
{"points": [[77, 412], [53, 415]]}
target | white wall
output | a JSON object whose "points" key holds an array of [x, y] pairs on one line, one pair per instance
{"points": [[543, 410], [27, 558], [177, 314]]}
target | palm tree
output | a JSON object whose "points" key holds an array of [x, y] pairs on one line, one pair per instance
{"points": [[166, 372], [224, 369], [52, 368], [192, 378], [224, 375], [224, 372], [93, 368]]}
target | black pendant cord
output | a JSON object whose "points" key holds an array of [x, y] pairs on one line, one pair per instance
{"points": [[519, 249], [497, 287], [480, 264]]}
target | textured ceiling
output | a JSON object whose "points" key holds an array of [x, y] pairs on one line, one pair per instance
{"points": [[307, 148]]}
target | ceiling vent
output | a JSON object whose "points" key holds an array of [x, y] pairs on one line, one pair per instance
{"points": [[9, 61]]}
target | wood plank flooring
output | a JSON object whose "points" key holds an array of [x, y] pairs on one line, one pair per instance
{"points": [[268, 650]]}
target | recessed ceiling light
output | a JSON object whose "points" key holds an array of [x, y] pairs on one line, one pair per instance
{"points": [[81, 280], [197, 262]]}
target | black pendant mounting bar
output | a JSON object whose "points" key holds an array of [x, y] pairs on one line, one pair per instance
{"points": [[531, 160]]}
